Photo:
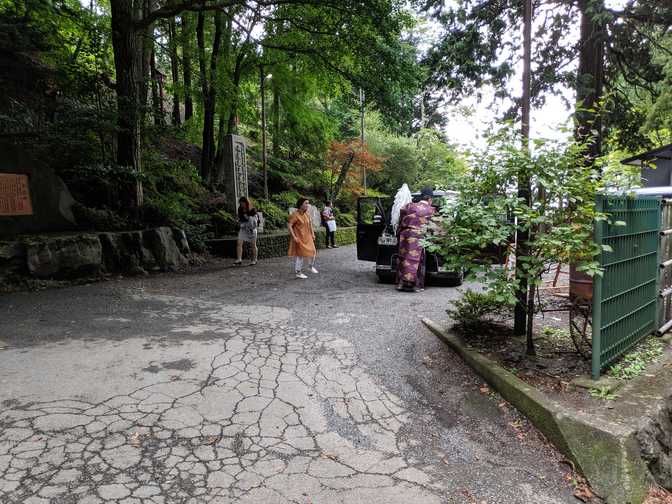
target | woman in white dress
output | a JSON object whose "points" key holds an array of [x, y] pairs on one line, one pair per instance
{"points": [[248, 221]]}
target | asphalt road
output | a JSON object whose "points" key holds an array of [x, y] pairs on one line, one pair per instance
{"points": [[246, 385]]}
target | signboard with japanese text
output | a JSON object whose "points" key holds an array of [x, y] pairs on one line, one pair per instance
{"points": [[14, 195]]}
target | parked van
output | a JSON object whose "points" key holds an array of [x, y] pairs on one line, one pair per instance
{"points": [[377, 242]]}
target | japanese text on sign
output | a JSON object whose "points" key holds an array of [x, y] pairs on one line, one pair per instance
{"points": [[14, 195]]}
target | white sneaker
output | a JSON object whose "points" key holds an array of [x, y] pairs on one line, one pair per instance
{"points": [[301, 275], [313, 270]]}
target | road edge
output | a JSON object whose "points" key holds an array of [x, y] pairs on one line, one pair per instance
{"points": [[607, 454]]}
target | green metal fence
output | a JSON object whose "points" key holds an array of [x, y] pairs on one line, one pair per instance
{"points": [[625, 297]]}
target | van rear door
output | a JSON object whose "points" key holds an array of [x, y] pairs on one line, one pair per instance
{"points": [[371, 221]]}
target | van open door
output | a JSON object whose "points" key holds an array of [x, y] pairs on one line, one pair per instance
{"points": [[372, 218]]}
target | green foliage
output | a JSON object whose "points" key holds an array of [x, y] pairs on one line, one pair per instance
{"points": [[345, 219], [274, 216], [418, 160], [603, 393], [175, 196], [481, 219], [634, 362], [286, 199], [98, 219], [474, 310], [225, 223], [555, 333], [659, 111]]}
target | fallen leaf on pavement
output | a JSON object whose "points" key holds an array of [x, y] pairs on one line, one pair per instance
{"points": [[135, 440], [583, 493], [658, 495]]}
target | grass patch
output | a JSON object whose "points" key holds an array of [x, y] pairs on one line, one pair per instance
{"points": [[603, 393], [634, 362]]}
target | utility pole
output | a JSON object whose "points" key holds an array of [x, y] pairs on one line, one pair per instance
{"points": [[264, 168], [361, 129], [524, 310]]}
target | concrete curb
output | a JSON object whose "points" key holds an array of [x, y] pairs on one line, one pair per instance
{"points": [[606, 454]]}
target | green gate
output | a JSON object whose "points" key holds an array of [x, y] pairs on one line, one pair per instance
{"points": [[625, 297]]}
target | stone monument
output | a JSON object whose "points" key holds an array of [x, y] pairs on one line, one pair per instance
{"points": [[32, 198], [234, 169]]}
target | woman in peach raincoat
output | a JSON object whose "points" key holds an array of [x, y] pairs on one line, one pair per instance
{"points": [[301, 239]]}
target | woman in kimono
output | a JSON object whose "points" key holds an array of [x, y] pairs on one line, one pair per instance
{"points": [[412, 220]]}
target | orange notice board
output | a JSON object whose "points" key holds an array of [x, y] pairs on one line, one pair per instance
{"points": [[14, 195]]}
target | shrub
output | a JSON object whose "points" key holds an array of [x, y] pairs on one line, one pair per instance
{"points": [[225, 223], [98, 219], [474, 310], [346, 219], [275, 217], [286, 199]]}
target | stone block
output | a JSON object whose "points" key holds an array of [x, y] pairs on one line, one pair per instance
{"points": [[64, 256], [122, 252], [164, 248]]}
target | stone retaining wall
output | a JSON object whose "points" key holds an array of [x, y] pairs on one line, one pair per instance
{"points": [[276, 244], [73, 255]]}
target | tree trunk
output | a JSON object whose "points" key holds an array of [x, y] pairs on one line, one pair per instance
{"points": [[275, 112], [174, 71], [226, 46], [209, 90], [590, 78], [147, 48], [521, 319], [127, 61], [233, 108], [345, 168], [186, 67], [157, 93]]}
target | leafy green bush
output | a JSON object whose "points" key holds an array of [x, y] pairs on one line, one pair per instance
{"points": [[346, 219], [98, 219], [286, 199], [275, 217], [225, 223], [175, 196], [474, 310]]}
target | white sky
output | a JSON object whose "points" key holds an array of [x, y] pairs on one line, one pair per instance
{"points": [[468, 129]]}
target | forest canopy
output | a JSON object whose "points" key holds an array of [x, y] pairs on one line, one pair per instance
{"points": [[131, 101]]}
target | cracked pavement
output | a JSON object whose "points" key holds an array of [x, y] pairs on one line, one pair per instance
{"points": [[244, 385]]}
